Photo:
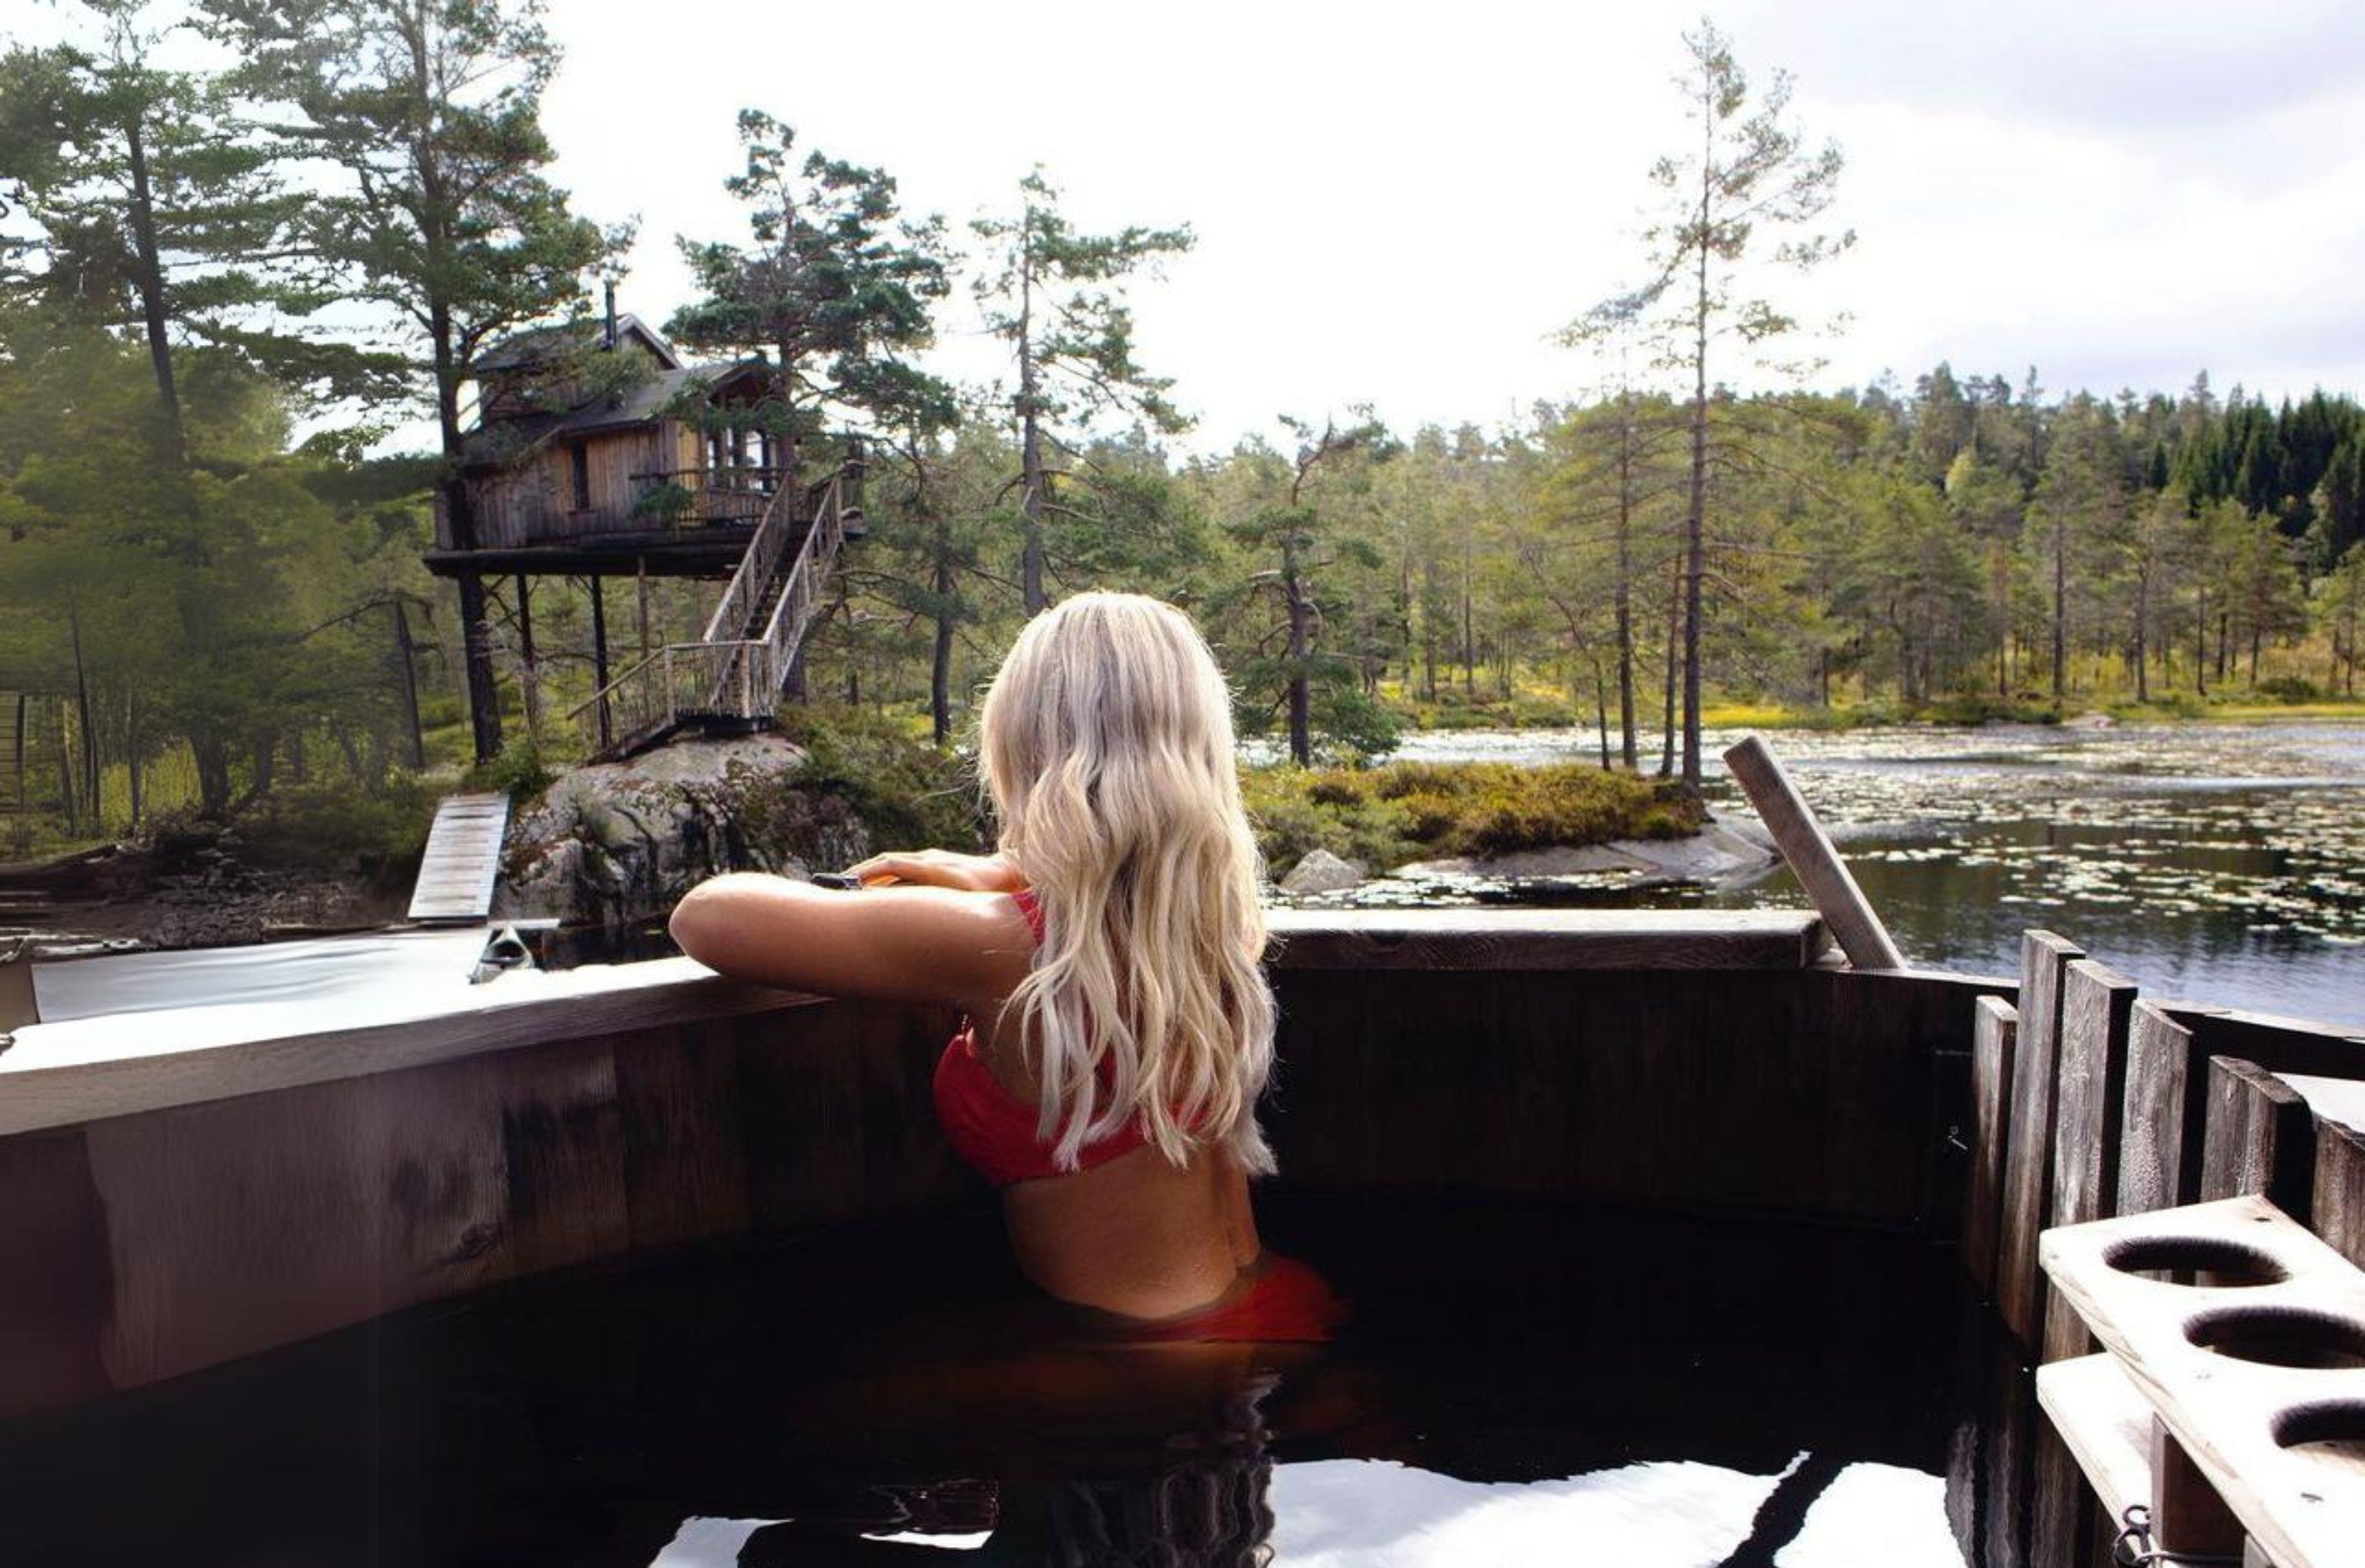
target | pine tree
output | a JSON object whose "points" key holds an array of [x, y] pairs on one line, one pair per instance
{"points": [[835, 290], [1056, 296], [441, 217], [1750, 173]]}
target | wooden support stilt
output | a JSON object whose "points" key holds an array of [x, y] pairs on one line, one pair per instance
{"points": [[600, 660]]}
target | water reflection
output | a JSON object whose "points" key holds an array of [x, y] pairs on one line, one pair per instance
{"points": [[2219, 863], [1522, 1384]]}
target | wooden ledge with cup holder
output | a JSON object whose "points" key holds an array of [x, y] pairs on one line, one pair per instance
{"points": [[2229, 1398]]}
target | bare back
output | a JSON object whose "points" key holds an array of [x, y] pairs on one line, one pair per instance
{"points": [[1136, 1234]]}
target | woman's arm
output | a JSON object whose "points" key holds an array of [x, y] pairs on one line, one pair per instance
{"points": [[920, 943], [941, 868]]}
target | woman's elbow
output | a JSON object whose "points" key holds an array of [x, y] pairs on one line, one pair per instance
{"points": [[702, 921]]}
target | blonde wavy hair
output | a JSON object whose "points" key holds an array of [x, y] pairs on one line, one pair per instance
{"points": [[1107, 749]]}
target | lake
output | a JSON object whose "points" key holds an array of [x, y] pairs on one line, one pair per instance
{"points": [[2220, 863]]}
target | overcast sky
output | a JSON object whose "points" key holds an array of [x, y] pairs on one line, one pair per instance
{"points": [[1400, 204]]}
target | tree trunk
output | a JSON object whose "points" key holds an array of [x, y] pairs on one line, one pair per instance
{"points": [[131, 759], [1695, 518], [1667, 708], [1625, 594], [941, 657], [1030, 433], [599, 662], [477, 633], [530, 669], [1301, 617], [2060, 607], [2143, 618], [1469, 649], [150, 272], [89, 736]]}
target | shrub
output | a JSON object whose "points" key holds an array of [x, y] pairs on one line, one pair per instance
{"points": [[908, 793], [338, 828], [2292, 689], [517, 770], [1383, 815]]}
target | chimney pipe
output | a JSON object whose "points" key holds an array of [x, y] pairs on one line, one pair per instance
{"points": [[608, 339]]}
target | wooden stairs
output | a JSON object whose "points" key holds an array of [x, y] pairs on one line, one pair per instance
{"points": [[731, 678]]}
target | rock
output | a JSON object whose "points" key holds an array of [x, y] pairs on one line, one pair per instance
{"points": [[1563, 860], [619, 842], [1712, 855], [1322, 872], [1716, 854], [2090, 721]]}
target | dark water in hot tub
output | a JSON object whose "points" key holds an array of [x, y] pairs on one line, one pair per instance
{"points": [[1519, 1384]]}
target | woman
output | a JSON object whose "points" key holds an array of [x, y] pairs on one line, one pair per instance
{"points": [[1109, 959]]}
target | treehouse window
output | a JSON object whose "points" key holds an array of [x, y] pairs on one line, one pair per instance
{"points": [[579, 462]]}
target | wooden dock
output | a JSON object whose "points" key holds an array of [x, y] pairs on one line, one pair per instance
{"points": [[463, 857]]}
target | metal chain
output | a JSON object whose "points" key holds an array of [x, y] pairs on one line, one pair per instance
{"points": [[2133, 1549]]}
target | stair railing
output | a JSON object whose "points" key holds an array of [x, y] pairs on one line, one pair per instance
{"points": [[722, 675]]}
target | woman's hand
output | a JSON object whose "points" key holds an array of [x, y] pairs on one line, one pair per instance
{"points": [[941, 868]]}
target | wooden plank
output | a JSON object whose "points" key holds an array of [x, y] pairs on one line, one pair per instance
{"points": [[2188, 1517], [2028, 1150], [250, 1223], [2340, 1216], [462, 859], [2159, 1139], [2258, 1138], [1994, 1035], [1543, 939], [2240, 1373], [2105, 1423], [2097, 1008], [1808, 849], [64, 1074]]}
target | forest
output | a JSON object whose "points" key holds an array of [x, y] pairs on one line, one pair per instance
{"points": [[224, 289]]}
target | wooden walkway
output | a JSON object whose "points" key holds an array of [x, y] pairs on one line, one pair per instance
{"points": [[463, 857]]}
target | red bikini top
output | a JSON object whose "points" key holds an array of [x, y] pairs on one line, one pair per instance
{"points": [[992, 1128]]}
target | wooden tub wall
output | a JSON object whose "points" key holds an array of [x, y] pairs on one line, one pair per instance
{"points": [[159, 1214]]}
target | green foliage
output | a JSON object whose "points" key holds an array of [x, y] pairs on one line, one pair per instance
{"points": [[837, 287], [441, 216], [1402, 811], [518, 771], [910, 794], [336, 829], [663, 503], [2291, 689]]}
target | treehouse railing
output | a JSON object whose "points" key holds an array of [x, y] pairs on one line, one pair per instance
{"points": [[734, 673], [696, 497]]}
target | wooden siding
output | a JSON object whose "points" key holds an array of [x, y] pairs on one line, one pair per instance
{"points": [[533, 502]]}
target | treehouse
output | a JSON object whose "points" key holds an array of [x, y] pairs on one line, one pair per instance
{"points": [[598, 453]]}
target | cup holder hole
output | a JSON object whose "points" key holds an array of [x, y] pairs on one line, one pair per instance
{"points": [[2195, 1260], [2281, 1337], [2333, 1428]]}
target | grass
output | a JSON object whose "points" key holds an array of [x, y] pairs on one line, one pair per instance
{"points": [[1405, 810]]}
